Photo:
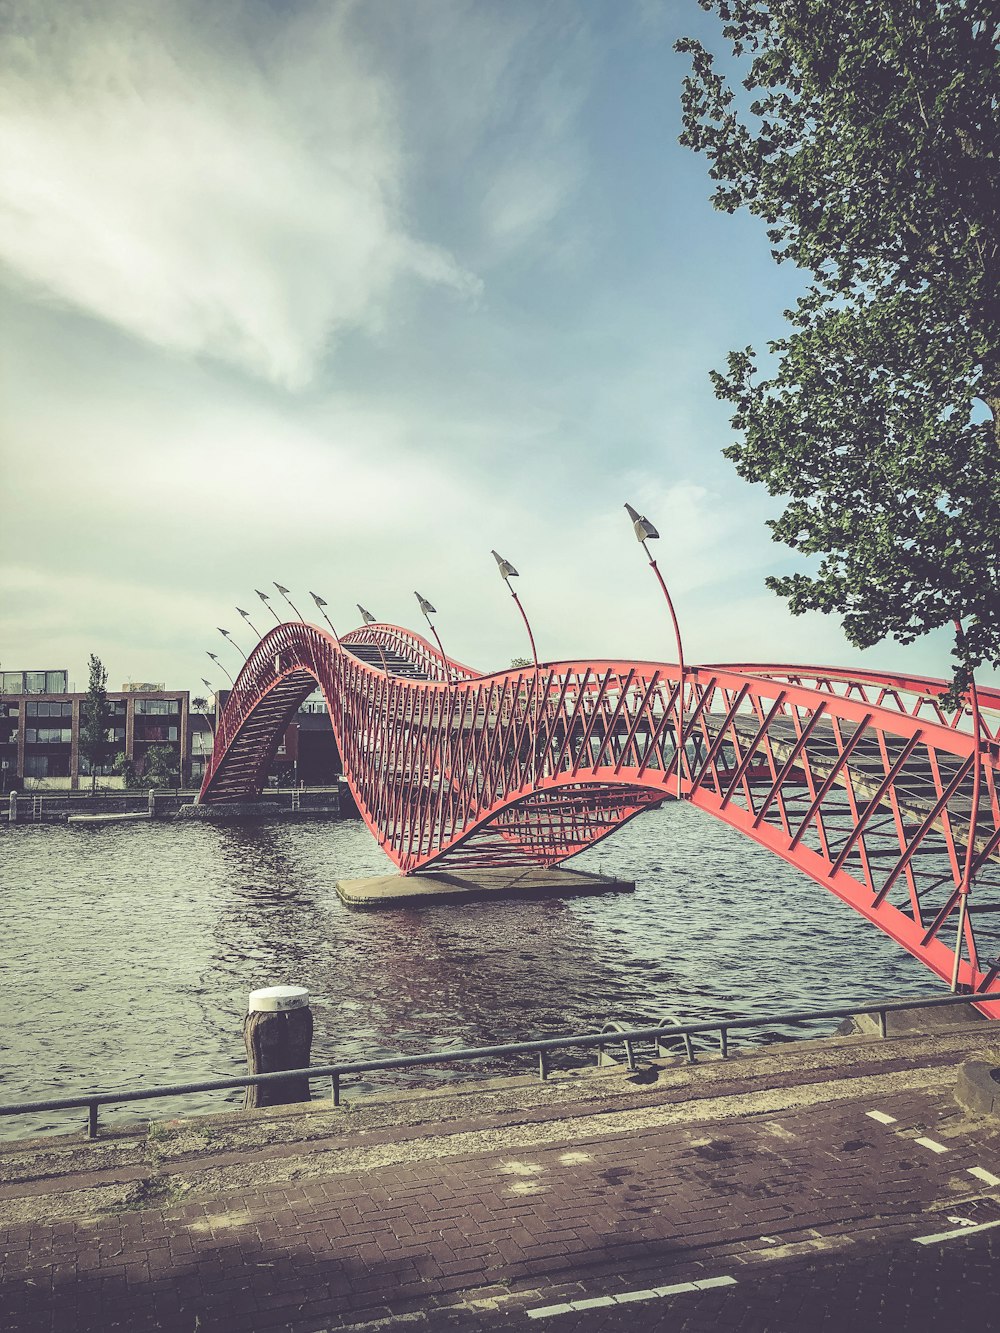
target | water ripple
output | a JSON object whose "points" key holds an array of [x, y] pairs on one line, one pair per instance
{"points": [[132, 949]]}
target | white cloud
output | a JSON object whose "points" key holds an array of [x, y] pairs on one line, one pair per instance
{"points": [[201, 191]]}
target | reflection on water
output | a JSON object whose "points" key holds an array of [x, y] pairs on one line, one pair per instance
{"points": [[130, 950]]}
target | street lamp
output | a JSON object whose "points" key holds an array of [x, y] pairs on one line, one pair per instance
{"points": [[204, 712], [267, 602], [229, 639], [221, 668], [369, 619], [644, 532], [284, 593], [321, 604], [246, 617], [429, 611], [508, 572]]}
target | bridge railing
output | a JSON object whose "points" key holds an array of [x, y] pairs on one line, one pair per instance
{"points": [[917, 696], [542, 1047]]}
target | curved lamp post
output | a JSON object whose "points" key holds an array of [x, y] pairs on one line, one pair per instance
{"points": [[284, 592], [508, 572], [429, 611], [229, 639], [204, 712], [321, 606], [215, 659], [267, 602], [369, 619], [246, 617], [644, 532], [966, 882]]}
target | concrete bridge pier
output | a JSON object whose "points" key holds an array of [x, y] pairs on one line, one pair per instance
{"points": [[437, 886]]}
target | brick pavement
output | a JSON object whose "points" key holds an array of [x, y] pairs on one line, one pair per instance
{"points": [[812, 1208]]}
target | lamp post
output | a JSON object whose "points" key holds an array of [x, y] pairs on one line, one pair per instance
{"points": [[321, 605], [429, 611], [212, 691], [265, 598], [215, 659], [284, 592], [966, 882], [508, 572], [246, 617], [229, 639], [369, 619], [644, 532]]}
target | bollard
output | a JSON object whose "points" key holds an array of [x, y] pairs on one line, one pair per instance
{"points": [[13, 807], [277, 1032], [152, 803]]}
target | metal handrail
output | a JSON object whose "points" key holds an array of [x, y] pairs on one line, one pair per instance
{"points": [[542, 1046]]}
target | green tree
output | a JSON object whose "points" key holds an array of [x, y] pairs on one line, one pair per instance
{"points": [[869, 145], [158, 767], [95, 720]]}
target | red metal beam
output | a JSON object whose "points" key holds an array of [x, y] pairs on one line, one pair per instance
{"points": [[451, 767]]}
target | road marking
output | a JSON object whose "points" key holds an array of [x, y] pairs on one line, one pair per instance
{"points": [[881, 1117], [626, 1297], [950, 1235], [932, 1144], [982, 1174]]}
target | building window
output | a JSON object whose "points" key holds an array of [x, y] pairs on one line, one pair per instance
{"points": [[157, 707], [55, 682], [48, 735], [48, 709], [34, 682], [36, 766]]}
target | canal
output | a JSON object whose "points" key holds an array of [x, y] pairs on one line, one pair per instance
{"points": [[129, 951]]}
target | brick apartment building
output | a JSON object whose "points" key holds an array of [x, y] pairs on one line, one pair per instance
{"points": [[40, 734], [40, 728]]}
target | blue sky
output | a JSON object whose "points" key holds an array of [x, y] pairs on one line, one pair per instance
{"points": [[344, 295]]}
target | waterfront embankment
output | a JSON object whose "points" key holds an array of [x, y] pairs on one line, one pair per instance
{"points": [[61, 806], [831, 1184]]}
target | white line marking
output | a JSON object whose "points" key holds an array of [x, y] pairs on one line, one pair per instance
{"points": [[932, 1144], [983, 1174], [881, 1117], [625, 1297], [950, 1235]]}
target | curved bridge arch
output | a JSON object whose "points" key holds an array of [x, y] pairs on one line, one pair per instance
{"points": [[861, 780]]}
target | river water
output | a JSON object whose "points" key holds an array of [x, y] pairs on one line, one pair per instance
{"points": [[129, 952]]}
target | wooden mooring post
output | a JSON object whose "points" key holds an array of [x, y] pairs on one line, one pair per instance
{"points": [[277, 1032]]}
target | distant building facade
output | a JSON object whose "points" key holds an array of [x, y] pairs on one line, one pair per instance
{"points": [[40, 723], [40, 729]]}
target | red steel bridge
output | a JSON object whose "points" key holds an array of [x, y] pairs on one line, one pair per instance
{"points": [[863, 781]]}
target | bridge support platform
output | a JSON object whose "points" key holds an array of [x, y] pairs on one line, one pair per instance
{"points": [[382, 891]]}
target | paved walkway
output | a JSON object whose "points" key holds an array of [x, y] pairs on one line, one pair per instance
{"points": [[753, 1195]]}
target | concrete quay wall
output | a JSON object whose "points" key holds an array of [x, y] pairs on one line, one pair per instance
{"points": [[57, 807]]}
